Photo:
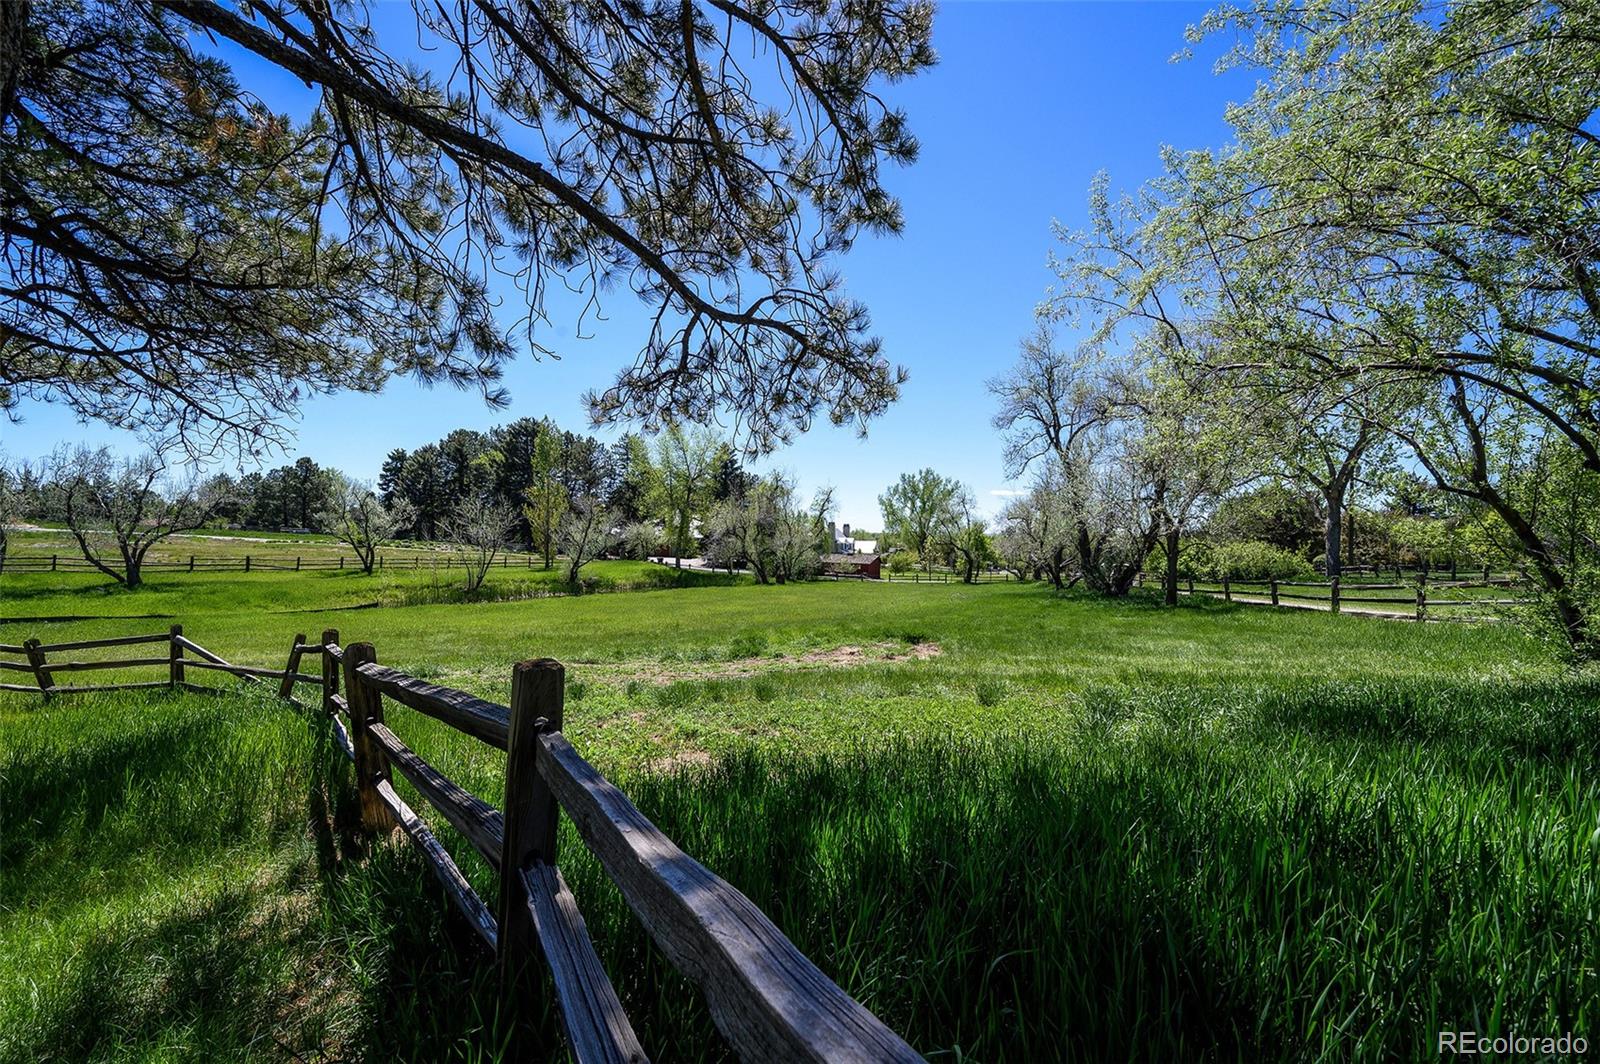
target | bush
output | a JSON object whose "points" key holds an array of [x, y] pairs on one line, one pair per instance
{"points": [[1194, 560], [903, 561], [1254, 561]]}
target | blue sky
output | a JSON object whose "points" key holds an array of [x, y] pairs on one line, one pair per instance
{"points": [[1028, 102]]}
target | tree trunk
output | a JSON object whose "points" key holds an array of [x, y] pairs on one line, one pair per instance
{"points": [[1170, 590], [1574, 625], [1333, 497]]}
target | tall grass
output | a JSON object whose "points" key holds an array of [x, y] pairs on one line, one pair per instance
{"points": [[1312, 875], [150, 885], [1322, 872], [1082, 832], [182, 878]]}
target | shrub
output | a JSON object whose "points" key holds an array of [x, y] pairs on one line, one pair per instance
{"points": [[1254, 561], [903, 561]]}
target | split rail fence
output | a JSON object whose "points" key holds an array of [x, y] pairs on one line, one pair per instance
{"points": [[947, 576], [767, 999], [174, 660], [1416, 603]]}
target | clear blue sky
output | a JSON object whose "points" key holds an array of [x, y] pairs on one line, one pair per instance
{"points": [[1028, 101]]}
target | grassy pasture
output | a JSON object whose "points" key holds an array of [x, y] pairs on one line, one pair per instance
{"points": [[263, 547], [1078, 829]]}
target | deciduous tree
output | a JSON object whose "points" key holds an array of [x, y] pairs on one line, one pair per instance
{"points": [[117, 509], [587, 533], [480, 529], [545, 498], [918, 509], [356, 516], [681, 478]]}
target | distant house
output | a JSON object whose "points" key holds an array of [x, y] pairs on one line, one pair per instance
{"points": [[844, 544], [865, 566]]}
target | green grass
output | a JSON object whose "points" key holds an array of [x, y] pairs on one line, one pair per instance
{"points": [[1083, 829], [42, 596], [275, 548]]}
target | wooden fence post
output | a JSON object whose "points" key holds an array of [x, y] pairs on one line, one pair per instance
{"points": [[372, 764], [330, 670], [1485, 574], [1227, 591], [286, 688], [41, 673], [341, 561], [175, 656], [1422, 597], [1274, 591], [1333, 592], [297, 563], [537, 692], [53, 564], [247, 563], [191, 563], [1191, 583]]}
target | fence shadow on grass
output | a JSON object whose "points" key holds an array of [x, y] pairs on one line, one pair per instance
{"points": [[205, 980], [428, 988]]}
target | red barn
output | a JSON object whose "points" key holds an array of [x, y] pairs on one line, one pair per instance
{"points": [[861, 566]]}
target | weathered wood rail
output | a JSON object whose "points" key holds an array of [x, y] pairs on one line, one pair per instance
{"points": [[767, 999], [173, 660]]}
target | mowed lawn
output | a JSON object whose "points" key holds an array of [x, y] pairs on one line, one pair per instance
{"points": [[1017, 825]]}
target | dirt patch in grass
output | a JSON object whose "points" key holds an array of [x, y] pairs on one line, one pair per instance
{"points": [[683, 761], [655, 673], [841, 657]]}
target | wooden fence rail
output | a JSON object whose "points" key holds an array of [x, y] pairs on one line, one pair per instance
{"points": [[1417, 603], [768, 1000], [174, 662]]}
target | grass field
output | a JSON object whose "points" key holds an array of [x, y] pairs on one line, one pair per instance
{"points": [[1016, 825], [279, 549]]}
